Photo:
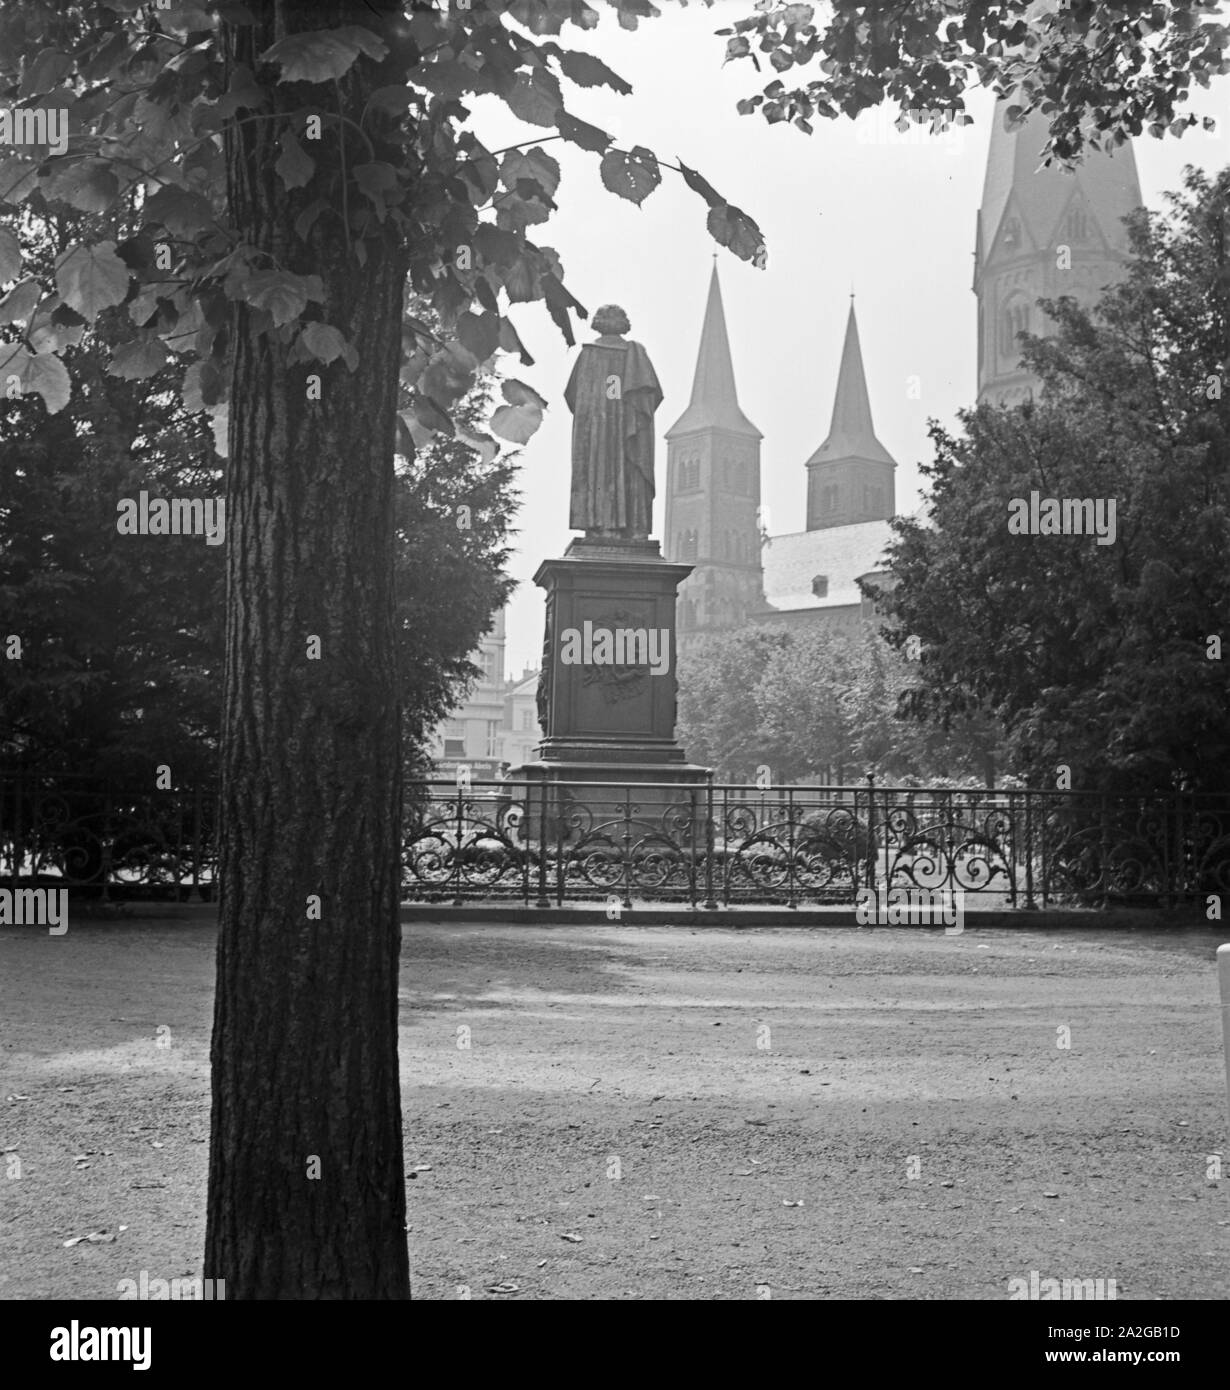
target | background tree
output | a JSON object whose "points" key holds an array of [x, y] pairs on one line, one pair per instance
{"points": [[1095, 657], [719, 720], [818, 705]]}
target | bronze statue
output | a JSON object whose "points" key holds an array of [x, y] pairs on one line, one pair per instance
{"points": [[613, 392]]}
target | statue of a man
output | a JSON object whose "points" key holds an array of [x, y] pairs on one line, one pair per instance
{"points": [[613, 392]]}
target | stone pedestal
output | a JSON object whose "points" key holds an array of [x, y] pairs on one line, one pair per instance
{"points": [[606, 698]]}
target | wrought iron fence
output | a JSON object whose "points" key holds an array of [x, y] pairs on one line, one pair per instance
{"points": [[707, 844], [715, 844], [85, 833]]}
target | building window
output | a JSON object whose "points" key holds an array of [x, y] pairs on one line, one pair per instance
{"points": [[493, 738], [820, 586], [1015, 321], [1012, 233], [691, 542], [454, 738], [527, 720], [1078, 228], [689, 473]]}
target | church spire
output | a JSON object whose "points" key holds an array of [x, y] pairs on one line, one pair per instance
{"points": [[1042, 233], [1104, 180], [714, 404], [851, 434]]}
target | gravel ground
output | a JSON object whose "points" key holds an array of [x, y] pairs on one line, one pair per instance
{"points": [[669, 1113]]}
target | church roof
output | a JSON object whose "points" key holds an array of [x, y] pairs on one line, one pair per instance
{"points": [[1107, 180], [840, 553], [714, 404], [851, 434]]}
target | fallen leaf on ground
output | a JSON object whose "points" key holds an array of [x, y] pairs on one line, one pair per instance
{"points": [[572, 1236], [95, 1238], [506, 1287]]}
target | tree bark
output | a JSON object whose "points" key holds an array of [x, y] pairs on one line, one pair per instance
{"points": [[306, 1179]]}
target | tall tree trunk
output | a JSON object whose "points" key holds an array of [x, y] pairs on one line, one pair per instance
{"points": [[306, 1181]]}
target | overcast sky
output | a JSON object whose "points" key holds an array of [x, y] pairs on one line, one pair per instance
{"points": [[853, 206]]}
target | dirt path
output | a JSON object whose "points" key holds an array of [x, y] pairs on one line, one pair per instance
{"points": [[712, 1113]]}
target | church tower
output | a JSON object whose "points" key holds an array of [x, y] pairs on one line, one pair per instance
{"points": [[850, 476], [1042, 233], [713, 492]]}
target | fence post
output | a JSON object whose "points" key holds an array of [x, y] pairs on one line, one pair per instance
{"points": [[710, 845], [543, 900], [627, 839], [872, 851], [457, 898], [1029, 850]]}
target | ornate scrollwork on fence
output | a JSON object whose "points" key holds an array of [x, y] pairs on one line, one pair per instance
{"points": [[948, 840], [704, 844], [465, 845], [85, 833]]}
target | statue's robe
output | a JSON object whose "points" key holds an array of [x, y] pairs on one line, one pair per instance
{"points": [[612, 438]]}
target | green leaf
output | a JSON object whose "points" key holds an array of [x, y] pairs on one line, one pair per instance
{"points": [[479, 334], [486, 446], [19, 303], [45, 72], [18, 178], [89, 185], [203, 386], [518, 393], [41, 374], [324, 342], [587, 71], [182, 212], [516, 423], [701, 186], [392, 99], [530, 164], [142, 307], [733, 228], [323, 54], [91, 278], [589, 137], [10, 256], [535, 97], [283, 295], [632, 174], [50, 332], [428, 415], [141, 358], [294, 165]]}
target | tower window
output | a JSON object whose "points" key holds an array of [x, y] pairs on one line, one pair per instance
{"points": [[1015, 321], [689, 473], [690, 544]]}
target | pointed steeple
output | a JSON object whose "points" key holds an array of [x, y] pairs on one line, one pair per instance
{"points": [[1105, 179], [851, 434], [714, 404]]}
